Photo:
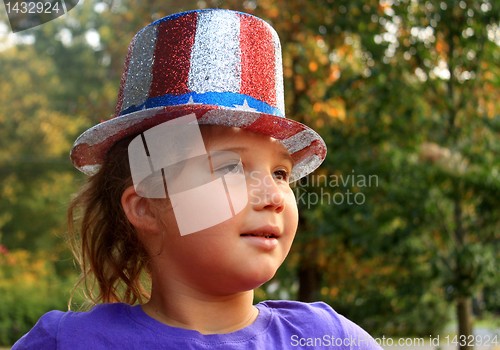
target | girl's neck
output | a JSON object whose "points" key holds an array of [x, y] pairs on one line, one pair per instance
{"points": [[207, 314]]}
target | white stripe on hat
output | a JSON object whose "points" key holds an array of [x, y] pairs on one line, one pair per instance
{"points": [[305, 166], [299, 141], [139, 75], [278, 80], [216, 54], [230, 117]]}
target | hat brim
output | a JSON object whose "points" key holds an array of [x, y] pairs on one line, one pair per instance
{"points": [[306, 147]]}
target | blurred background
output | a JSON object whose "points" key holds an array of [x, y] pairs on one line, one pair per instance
{"points": [[400, 226]]}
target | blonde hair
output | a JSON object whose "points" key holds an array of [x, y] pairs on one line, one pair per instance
{"points": [[113, 261]]}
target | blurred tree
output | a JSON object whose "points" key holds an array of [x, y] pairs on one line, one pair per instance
{"points": [[455, 47], [34, 169], [24, 274], [408, 92]]}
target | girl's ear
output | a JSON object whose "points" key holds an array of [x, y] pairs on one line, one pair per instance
{"points": [[140, 211]]}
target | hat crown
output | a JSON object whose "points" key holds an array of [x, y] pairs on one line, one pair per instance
{"points": [[223, 66], [209, 57]]}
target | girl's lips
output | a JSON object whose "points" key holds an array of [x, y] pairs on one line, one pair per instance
{"points": [[263, 232], [265, 238], [261, 242], [261, 235]]}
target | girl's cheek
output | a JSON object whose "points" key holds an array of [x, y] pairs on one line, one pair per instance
{"points": [[291, 204], [290, 196]]}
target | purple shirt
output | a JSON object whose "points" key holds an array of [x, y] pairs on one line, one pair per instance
{"points": [[280, 325]]}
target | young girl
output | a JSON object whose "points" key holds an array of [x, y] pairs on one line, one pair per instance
{"points": [[189, 189]]}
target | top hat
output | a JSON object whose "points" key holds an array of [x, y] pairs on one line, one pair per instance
{"points": [[223, 66]]}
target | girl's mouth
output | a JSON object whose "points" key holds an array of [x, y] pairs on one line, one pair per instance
{"points": [[264, 235]]}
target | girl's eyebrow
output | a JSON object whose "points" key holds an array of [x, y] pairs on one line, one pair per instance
{"points": [[282, 154], [285, 155]]}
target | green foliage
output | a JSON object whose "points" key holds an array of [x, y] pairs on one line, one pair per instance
{"points": [[29, 286], [35, 172], [408, 92]]}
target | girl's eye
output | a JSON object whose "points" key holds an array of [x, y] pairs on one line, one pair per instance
{"points": [[282, 175], [225, 162], [223, 169]]}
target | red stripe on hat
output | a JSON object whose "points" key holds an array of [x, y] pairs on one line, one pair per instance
{"points": [[258, 60], [314, 148], [281, 128], [172, 56]]}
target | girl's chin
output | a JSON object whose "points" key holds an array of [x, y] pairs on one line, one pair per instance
{"points": [[258, 278], [243, 282]]}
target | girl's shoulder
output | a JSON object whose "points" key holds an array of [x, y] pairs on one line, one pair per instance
{"points": [[315, 312], [43, 334], [46, 333], [294, 307], [316, 324]]}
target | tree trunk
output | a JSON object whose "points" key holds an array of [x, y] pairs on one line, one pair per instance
{"points": [[464, 317], [309, 281]]}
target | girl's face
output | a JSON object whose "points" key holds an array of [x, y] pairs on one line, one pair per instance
{"points": [[244, 251]]}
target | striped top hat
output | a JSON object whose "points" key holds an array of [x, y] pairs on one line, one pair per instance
{"points": [[223, 66]]}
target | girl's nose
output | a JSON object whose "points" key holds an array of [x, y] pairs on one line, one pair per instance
{"points": [[265, 193]]}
